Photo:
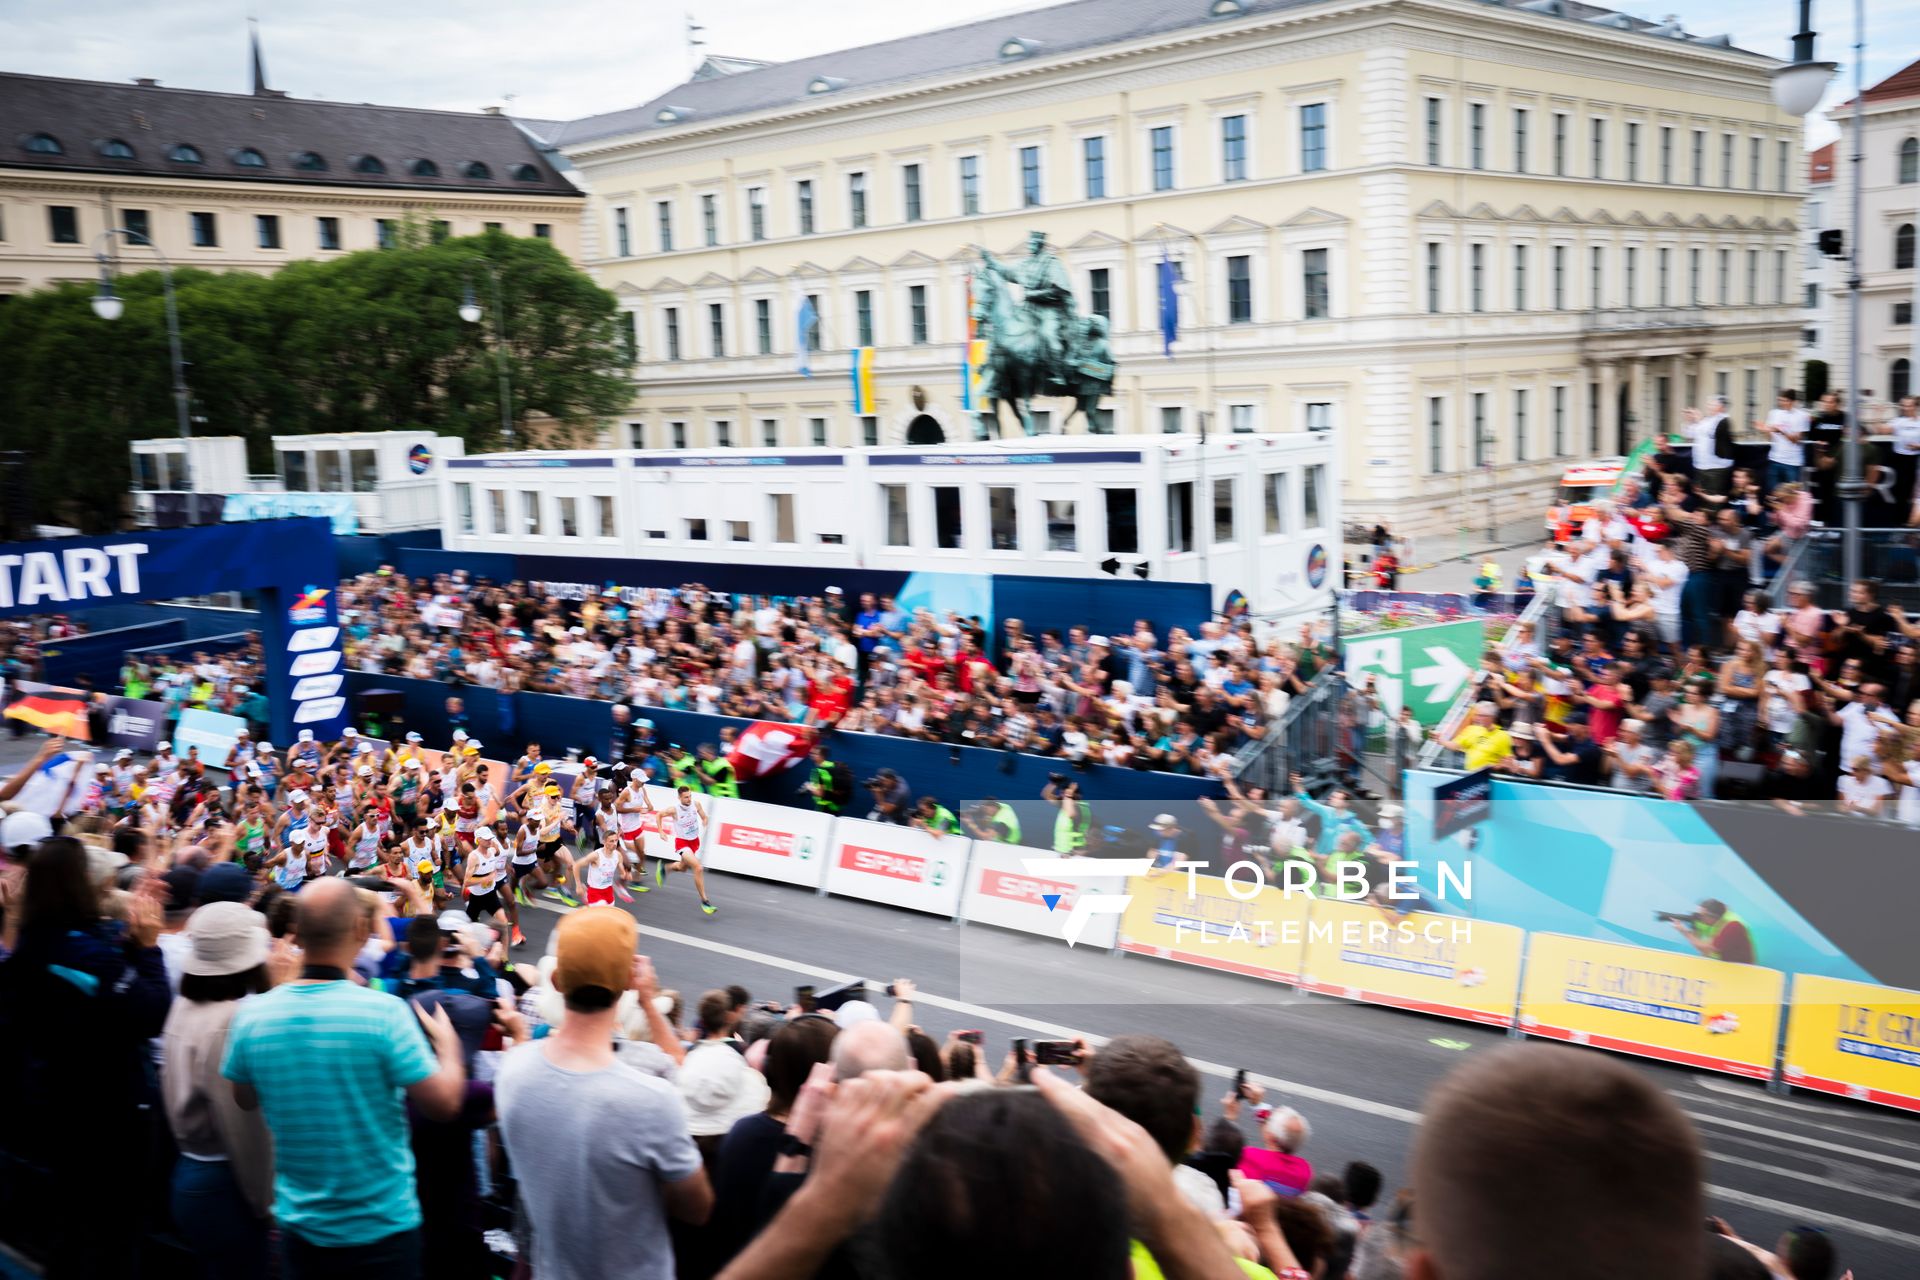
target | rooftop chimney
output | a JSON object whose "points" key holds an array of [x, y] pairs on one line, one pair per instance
{"points": [[147, 82], [492, 111]]}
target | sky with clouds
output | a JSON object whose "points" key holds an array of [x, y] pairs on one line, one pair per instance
{"points": [[577, 57]]}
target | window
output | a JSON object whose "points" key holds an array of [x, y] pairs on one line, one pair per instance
{"points": [[663, 218], [947, 530], [1699, 160], [1903, 313], [1433, 278], [1480, 429], [327, 231], [1160, 144], [813, 330], [543, 231], [780, 508], [310, 162], [969, 186], [1030, 177], [1123, 521], [1433, 110], [894, 505], [1597, 144], [1519, 277], [248, 158], [463, 503], [722, 434], [1003, 519], [439, 231], [1477, 135], [1630, 282], [869, 431], [696, 530], [1782, 159], [1273, 487], [1520, 426], [1559, 422], [803, 197], [63, 224], [1909, 161], [739, 531], [709, 219], [372, 165], [138, 224], [1557, 278], [1170, 416], [1726, 160], [1100, 293], [910, 192], [1593, 417], [1596, 265], [1900, 379], [1725, 292], [857, 200], [1233, 148], [1319, 415], [1436, 435], [1240, 419], [1063, 526], [763, 326], [1313, 137], [636, 435], [716, 330], [672, 315], [1315, 482], [1477, 278], [1662, 272], [1179, 517], [677, 434], [1903, 247], [1666, 154], [424, 169], [1093, 164], [116, 149], [569, 517], [1753, 164], [817, 432], [329, 478], [526, 173], [266, 230], [44, 144], [205, 230], [1559, 144], [917, 314], [383, 232], [1693, 277], [630, 337], [1633, 151], [530, 513], [757, 213], [1239, 289], [1520, 116], [1753, 275], [770, 433], [497, 511], [1779, 276], [1222, 512], [1313, 284], [863, 317]]}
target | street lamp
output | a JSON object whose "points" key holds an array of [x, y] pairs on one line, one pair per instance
{"points": [[108, 306], [471, 311], [1797, 88]]}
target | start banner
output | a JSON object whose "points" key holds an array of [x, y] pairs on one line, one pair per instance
{"points": [[900, 866], [1446, 965], [1001, 892], [1854, 1039], [1687, 1009], [1196, 920], [768, 842]]}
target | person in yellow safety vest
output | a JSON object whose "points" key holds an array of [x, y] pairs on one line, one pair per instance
{"points": [[992, 820], [717, 774], [682, 769], [1717, 933], [1489, 579], [1075, 816]]}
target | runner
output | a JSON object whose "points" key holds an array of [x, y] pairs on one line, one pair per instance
{"points": [[525, 864], [689, 821], [553, 825], [600, 870], [633, 811], [363, 847], [486, 867]]}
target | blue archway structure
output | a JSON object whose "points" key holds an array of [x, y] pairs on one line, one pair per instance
{"points": [[289, 564]]}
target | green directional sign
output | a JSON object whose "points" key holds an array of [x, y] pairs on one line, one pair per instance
{"points": [[1424, 668]]}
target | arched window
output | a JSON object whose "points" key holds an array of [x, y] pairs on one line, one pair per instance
{"points": [[1903, 247], [425, 169], [186, 153], [248, 158], [369, 164], [43, 144], [526, 173], [116, 149], [310, 162], [478, 171], [1910, 161], [1900, 379]]}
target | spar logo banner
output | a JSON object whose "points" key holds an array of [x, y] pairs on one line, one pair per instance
{"points": [[1686, 1009], [1200, 920], [768, 841], [1445, 965], [1854, 1039], [1003, 889], [900, 866]]}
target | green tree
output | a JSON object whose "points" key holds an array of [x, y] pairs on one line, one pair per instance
{"points": [[368, 342]]}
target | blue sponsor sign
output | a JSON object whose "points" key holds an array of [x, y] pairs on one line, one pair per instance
{"points": [[517, 462], [215, 733], [1068, 458], [742, 460]]}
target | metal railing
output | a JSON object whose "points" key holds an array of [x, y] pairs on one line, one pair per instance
{"points": [[1305, 739]]}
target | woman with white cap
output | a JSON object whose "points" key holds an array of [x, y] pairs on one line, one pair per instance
{"points": [[223, 1181]]}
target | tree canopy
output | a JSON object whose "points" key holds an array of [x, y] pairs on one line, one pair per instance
{"points": [[371, 341]]}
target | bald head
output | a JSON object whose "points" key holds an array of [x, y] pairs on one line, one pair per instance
{"points": [[1541, 1161], [326, 920], [869, 1046]]}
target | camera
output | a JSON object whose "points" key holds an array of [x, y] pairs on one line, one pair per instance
{"points": [[969, 1037], [1668, 917], [1056, 1053]]}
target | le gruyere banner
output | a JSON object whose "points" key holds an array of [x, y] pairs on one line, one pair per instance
{"points": [[1197, 920], [1658, 1004], [1854, 1039], [1446, 965]]}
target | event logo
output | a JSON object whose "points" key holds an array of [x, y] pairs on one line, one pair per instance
{"points": [[1317, 566], [1087, 905], [308, 641], [781, 844], [1004, 884], [419, 458], [894, 866], [310, 606]]}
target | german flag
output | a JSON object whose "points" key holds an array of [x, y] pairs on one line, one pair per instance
{"points": [[51, 710]]}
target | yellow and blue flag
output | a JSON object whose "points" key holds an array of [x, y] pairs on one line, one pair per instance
{"points": [[862, 380]]}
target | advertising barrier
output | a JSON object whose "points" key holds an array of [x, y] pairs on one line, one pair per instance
{"points": [[1436, 964], [214, 732], [1000, 891], [135, 724], [1686, 1009], [899, 866], [1195, 920], [768, 842], [1854, 1039]]}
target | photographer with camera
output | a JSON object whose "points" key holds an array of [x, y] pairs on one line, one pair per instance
{"points": [[830, 786], [992, 820], [1074, 820], [1713, 931], [892, 798]]}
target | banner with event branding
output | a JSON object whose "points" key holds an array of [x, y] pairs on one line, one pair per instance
{"points": [[1854, 1039], [900, 866], [1196, 920], [214, 732], [1437, 964], [1687, 1009], [768, 842], [135, 724], [1001, 891]]}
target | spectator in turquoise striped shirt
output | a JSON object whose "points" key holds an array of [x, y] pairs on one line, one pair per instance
{"points": [[330, 1064]]}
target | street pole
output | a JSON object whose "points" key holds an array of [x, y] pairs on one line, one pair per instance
{"points": [[1852, 487], [470, 312], [107, 306]]}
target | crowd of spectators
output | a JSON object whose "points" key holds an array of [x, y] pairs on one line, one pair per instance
{"points": [[1677, 662]]}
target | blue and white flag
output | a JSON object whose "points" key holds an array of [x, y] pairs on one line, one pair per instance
{"points": [[803, 339]]}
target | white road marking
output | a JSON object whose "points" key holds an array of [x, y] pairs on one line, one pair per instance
{"points": [[1782, 1135]]}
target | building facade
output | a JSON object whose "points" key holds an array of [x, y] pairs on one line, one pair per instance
{"points": [[1815, 332], [1889, 160], [231, 181], [1474, 241]]}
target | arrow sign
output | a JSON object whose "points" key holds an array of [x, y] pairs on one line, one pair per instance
{"points": [[1051, 899], [1111, 565], [1443, 676]]}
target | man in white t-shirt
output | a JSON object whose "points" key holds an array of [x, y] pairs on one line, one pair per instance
{"points": [[1667, 574], [1711, 470], [1859, 723], [1785, 429]]}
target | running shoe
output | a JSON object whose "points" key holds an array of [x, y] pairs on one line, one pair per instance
{"points": [[639, 885], [659, 871], [519, 938], [520, 896], [564, 897], [707, 907]]}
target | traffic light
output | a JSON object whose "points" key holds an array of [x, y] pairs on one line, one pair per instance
{"points": [[1832, 244]]}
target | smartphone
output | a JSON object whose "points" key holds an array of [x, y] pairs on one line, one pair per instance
{"points": [[1240, 1083], [1056, 1053], [803, 996], [969, 1037], [1022, 1063]]}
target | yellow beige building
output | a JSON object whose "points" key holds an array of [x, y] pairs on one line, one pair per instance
{"points": [[1475, 240]]}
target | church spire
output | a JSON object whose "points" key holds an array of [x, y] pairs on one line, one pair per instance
{"points": [[260, 89]]}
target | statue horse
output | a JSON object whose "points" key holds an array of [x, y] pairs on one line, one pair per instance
{"points": [[1018, 367]]}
